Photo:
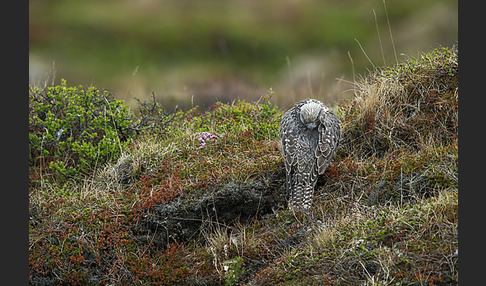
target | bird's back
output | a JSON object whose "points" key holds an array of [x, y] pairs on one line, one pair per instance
{"points": [[306, 153], [302, 176]]}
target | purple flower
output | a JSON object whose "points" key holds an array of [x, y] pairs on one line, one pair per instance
{"points": [[205, 136]]}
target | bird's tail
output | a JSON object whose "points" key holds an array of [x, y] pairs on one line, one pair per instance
{"points": [[301, 197]]}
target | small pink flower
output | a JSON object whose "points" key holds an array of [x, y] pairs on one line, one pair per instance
{"points": [[205, 136]]}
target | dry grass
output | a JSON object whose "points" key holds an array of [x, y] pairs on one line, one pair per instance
{"points": [[411, 105]]}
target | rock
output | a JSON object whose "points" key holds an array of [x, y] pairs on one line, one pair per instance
{"points": [[182, 220]]}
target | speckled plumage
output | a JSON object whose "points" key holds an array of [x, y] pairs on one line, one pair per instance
{"points": [[310, 135]]}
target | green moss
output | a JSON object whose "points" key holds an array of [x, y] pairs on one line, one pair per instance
{"points": [[233, 269]]}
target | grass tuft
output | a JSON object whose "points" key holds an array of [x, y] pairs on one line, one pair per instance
{"points": [[411, 105]]}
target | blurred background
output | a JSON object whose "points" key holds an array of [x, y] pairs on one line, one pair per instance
{"points": [[198, 52]]}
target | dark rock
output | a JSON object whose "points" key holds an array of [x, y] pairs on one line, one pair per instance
{"points": [[182, 220]]}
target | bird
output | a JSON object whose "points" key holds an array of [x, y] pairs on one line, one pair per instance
{"points": [[310, 134]]}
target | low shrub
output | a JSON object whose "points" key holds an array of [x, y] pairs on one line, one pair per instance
{"points": [[74, 129]]}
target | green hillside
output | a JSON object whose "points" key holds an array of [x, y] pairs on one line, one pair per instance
{"points": [[195, 197]]}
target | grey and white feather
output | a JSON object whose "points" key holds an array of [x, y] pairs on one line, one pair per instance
{"points": [[310, 135]]}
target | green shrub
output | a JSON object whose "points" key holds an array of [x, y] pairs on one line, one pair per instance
{"points": [[261, 118], [73, 129]]}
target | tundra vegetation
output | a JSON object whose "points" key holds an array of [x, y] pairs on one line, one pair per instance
{"points": [[197, 197]]}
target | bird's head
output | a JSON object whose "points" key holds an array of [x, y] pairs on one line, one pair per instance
{"points": [[309, 114]]}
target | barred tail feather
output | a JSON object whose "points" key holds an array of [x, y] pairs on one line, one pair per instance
{"points": [[296, 197], [308, 196]]}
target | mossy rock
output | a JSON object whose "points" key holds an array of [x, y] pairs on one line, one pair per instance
{"points": [[233, 202]]}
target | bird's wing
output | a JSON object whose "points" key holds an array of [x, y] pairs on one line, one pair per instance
{"points": [[329, 134], [289, 136]]}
